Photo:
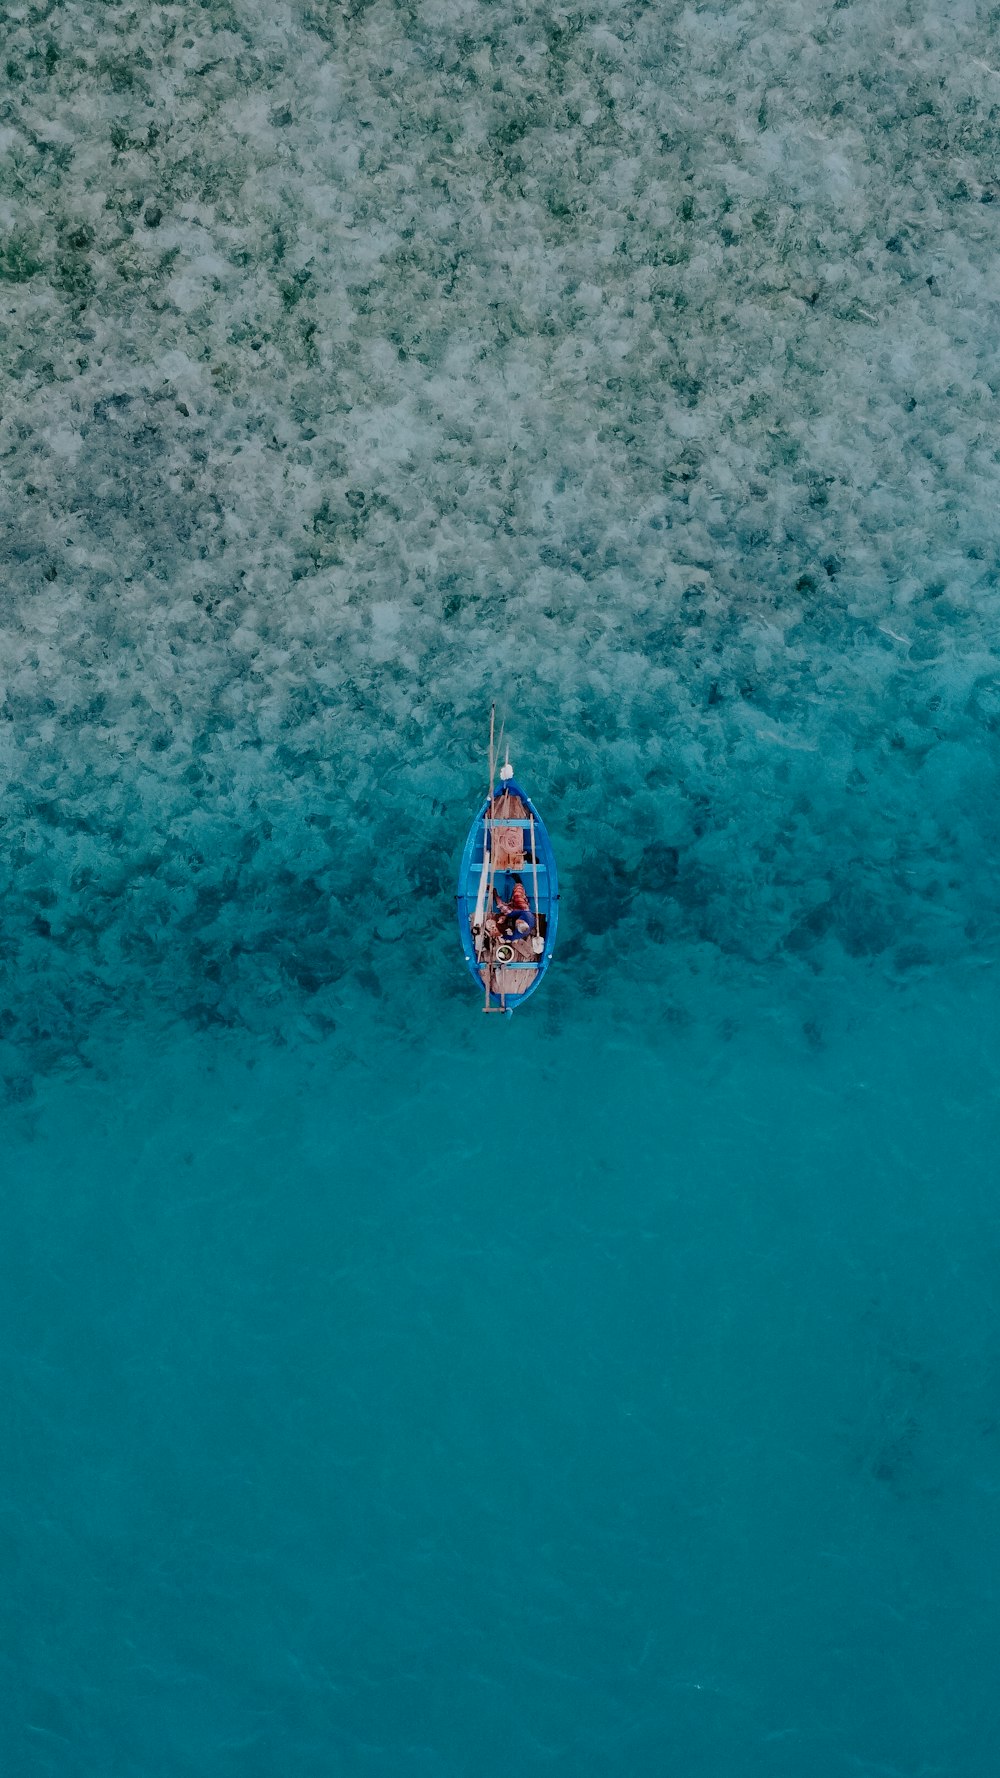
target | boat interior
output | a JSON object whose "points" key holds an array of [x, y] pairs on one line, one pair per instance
{"points": [[509, 964]]}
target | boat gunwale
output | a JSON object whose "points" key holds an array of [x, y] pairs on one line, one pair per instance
{"points": [[548, 901]]}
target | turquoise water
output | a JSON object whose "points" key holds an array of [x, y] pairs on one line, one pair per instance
{"points": [[649, 1422], [390, 1390]]}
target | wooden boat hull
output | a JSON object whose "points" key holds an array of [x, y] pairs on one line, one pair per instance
{"points": [[514, 982]]}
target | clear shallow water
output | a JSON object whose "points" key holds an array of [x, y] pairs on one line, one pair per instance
{"points": [[638, 370]]}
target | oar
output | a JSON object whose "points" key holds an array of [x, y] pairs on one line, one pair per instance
{"points": [[538, 944], [488, 853]]}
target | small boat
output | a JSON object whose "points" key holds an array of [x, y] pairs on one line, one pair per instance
{"points": [[508, 893]]}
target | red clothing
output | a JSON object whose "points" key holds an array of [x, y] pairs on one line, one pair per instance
{"points": [[509, 912]]}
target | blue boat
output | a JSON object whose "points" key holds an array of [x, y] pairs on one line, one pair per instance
{"points": [[508, 894]]}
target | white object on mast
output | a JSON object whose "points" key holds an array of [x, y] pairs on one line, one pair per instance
{"points": [[479, 917]]}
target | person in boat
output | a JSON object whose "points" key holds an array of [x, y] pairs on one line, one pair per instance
{"points": [[514, 918]]}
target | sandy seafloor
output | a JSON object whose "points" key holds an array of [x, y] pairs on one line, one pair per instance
{"points": [[387, 1390]]}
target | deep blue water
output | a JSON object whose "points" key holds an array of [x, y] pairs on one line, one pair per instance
{"points": [[389, 1390]]}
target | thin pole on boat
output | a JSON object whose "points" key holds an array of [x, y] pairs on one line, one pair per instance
{"points": [[488, 843], [479, 916], [534, 869]]}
